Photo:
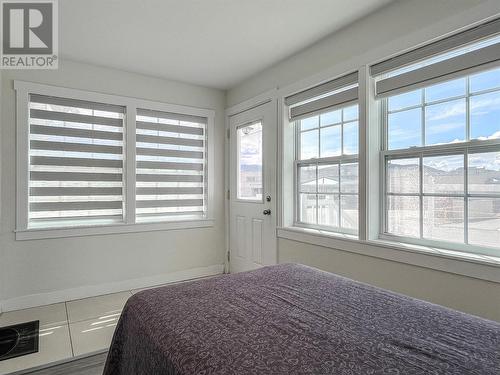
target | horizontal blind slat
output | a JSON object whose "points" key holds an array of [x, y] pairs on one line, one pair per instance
{"points": [[169, 140], [76, 162], [169, 203], [67, 102], [77, 147], [168, 214], [74, 117], [168, 128], [168, 178], [74, 191], [168, 190], [73, 132], [169, 153], [171, 116], [70, 206], [69, 176], [169, 165]]}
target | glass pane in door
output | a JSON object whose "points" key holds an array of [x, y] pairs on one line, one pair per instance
{"points": [[249, 178]]}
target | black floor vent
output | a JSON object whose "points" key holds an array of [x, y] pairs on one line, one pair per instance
{"points": [[19, 339]]}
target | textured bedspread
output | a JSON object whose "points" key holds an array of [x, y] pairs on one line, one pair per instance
{"points": [[292, 319]]}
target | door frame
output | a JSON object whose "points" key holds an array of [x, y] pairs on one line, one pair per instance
{"points": [[256, 101]]}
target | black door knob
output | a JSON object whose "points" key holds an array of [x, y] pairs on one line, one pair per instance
{"points": [[267, 211]]}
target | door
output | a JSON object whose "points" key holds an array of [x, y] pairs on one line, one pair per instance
{"points": [[252, 188]]}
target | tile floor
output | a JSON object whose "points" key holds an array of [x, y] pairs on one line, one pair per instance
{"points": [[68, 329]]}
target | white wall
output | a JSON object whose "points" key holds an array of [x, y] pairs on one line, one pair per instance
{"points": [[395, 28], [43, 271]]}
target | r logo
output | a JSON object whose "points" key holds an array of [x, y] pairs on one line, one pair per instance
{"points": [[27, 28]]}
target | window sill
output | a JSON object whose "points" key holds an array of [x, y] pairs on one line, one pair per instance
{"points": [[472, 265], [45, 233]]}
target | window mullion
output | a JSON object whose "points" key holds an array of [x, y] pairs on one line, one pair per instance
{"points": [[130, 164], [466, 197], [421, 195]]}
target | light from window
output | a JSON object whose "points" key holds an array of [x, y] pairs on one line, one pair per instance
{"points": [[249, 143], [328, 170], [450, 192]]}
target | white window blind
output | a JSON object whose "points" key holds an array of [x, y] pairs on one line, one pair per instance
{"points": [[336, 93], [171, 165], [76, 161], [472, 51]]}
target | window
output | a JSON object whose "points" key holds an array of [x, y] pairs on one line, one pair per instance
{"points": [[76, 161], [442, 162], [249, 146], [89, 160], [170, 174], [326, 158]]}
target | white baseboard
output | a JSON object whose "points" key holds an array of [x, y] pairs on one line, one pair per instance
{"points": [[57, 296]]}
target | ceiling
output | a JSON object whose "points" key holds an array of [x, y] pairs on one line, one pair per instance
{"points": [[214, 43]]}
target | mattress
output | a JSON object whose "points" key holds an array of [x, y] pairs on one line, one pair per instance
{"points": [[293, 319]]}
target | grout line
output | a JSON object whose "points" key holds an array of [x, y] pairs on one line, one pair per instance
{"points": [[69, 330]]}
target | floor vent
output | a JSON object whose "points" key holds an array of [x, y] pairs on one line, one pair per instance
{"points": [[19, 340]]}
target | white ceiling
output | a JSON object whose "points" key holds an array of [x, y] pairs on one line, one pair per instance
{"points": [[215, 43]]}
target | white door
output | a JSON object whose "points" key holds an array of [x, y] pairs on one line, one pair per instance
{"points": [[252, 186]]}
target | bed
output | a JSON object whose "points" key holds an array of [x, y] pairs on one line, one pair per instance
{"points": [[293, 319]]}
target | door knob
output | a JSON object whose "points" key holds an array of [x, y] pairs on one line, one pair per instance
{"points": [[267, 211]]}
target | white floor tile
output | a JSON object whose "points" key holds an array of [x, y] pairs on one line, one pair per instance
{"points": [[54, 345], [93, 335], [50, 314], [95, 307]]}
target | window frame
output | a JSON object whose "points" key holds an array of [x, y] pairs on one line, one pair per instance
{"points": [[23, 232], [466, 147], [339, 160]]}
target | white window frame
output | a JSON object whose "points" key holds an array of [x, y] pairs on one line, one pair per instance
{"points": [[339, 160], [468, 146], [24, 89]]}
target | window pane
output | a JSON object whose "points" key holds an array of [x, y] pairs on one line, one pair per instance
{"points": [[250, 161], [307, 175], [351, 138], [349, 214], [328, 210], [309, 123], [409, 99], [309, 144], [484, 81], [404, 129], [308, 208], [484, 221], [444, 174], [444, 219], [485, 116], [403, 175], [330, 141], [350, 113], [403, 216], [329, 118], [445, 90], [484, 173], [445, 122], [328, 178], [349, 178]]}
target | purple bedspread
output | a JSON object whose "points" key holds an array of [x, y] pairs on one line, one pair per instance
{"points": [[292, 319]]}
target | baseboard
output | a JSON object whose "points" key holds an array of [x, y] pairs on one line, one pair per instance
{"points": [[57, 296]]}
